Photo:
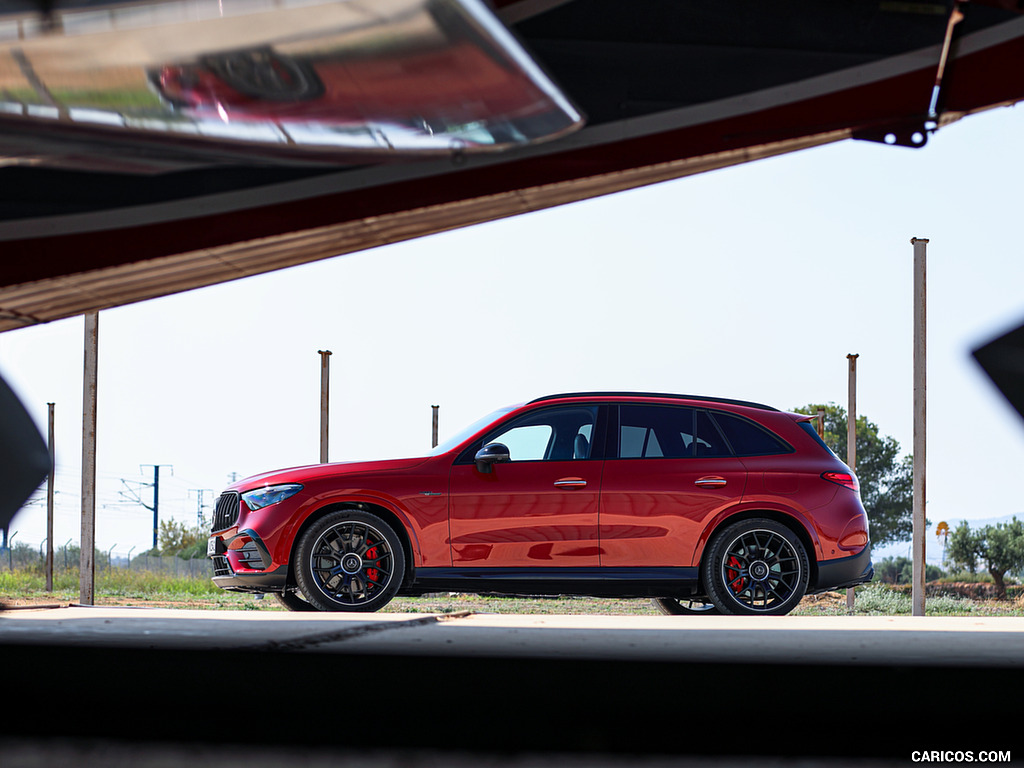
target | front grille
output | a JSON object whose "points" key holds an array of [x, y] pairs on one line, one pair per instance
{"points": [[225, 513]]}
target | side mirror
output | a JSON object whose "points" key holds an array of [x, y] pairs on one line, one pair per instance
{"points": [[489, 455]]}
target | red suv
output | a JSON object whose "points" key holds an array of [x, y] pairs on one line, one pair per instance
{"points": [[707, 505]]}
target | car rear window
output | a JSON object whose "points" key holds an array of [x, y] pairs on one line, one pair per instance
{"points": [[748, 438]]}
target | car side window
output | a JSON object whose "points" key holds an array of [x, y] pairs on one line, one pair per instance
{"points": [[551, 434], [528, 442], [710, 442], [655, 432]]}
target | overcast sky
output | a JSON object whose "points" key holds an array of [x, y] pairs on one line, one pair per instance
{"points": [[752, 282]]}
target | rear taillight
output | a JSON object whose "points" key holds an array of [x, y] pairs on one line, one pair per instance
{"points": [[844, 479]]}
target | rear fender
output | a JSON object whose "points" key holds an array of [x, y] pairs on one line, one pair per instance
{"points": [[789, 517]]}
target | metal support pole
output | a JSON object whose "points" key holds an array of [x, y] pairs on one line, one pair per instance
{"points": [[433, 426], [851, 439], [49, 502], [155, 509], [87, 574], [156, 505], [325, 378], [920, 410]]}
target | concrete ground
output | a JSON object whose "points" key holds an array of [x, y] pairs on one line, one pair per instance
{"points": [[135, 684]]}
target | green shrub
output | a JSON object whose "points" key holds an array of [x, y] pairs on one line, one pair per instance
{"points": [[966, 577], [900, 570], [878, 600]]}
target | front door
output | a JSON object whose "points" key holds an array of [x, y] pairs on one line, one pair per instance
{"points": [[540, 509]]}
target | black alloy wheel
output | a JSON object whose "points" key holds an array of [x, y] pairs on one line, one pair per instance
{"points": [[756, 567], [350, 560], [681, 606]]}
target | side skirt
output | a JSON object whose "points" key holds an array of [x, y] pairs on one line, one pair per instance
{"points": [[592, 582]]}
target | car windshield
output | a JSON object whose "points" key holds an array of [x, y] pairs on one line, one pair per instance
{"points": [[471, 430]]}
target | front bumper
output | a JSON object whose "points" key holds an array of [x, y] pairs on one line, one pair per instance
{"points": [[248, 568], [242, 559], [843, 572]]}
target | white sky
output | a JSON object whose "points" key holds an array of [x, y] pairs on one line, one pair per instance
{"points": [[753, 282]]}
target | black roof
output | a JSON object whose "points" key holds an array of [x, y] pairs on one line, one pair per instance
{"points": [[702, 398]]}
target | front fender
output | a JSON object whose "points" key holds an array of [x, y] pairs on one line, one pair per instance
{"points": [[388, 508]]}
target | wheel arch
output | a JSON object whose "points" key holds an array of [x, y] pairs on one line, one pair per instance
{"points": [[384, 513], [792, 522]]}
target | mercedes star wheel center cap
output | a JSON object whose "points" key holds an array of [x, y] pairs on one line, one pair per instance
{"points": [[759, 570], [351, 563]]}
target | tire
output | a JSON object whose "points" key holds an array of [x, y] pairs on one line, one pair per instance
{"points": [[755, 567], [350, 560], [679, 606], [293, 601]]}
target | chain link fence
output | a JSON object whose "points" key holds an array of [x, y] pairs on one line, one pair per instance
{"points": [[196, 568], [22, 556]]}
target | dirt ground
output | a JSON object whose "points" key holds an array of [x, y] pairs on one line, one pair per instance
{"points": [[828, 603], [442, 603]]}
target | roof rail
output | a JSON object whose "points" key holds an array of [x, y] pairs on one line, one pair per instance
{"points": [[701, 398]]}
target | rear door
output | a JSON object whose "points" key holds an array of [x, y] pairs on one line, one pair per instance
{"points": [[669, 471]]}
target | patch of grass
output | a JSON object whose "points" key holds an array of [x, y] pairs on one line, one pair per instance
{"points": [[121, 100], [112, 586], [877, 599]]}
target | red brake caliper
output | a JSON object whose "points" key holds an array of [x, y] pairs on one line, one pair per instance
{"points": [[372, 573], [732, 574]]}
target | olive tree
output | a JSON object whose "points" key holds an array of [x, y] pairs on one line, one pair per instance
{"points": [[999, 547]]}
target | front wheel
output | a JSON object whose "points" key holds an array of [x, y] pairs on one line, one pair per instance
{"points": [[350, 560], [293, 601], [676, 606], [756, 567]]}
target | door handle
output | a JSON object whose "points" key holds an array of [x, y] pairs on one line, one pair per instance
{"points": [[710, 482], [571, 482]]}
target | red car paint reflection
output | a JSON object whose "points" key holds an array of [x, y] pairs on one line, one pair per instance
{"points": [[428, 97]]}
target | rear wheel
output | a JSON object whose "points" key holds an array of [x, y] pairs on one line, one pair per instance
{"points": [[677, 606], [293, 601], [756, 567], [350, 560]]}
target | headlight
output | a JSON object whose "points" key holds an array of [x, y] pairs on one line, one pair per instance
{"points": [[264, 497]]}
